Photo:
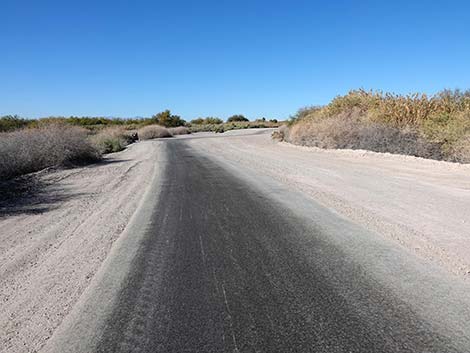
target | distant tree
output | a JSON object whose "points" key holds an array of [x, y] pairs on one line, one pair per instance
{"points": [[166, 119], [238, 117], [273, 121]]}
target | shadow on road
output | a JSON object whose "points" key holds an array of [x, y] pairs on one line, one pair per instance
{"points": [[34, 194]]}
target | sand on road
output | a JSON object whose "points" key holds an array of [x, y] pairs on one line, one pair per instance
{"points": [[54, 238], [421, 204]]}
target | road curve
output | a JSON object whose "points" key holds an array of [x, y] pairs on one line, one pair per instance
{"points": [[221, 270], [214, 263]]}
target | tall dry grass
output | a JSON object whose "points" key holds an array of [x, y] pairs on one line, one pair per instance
{"points": [[29, 150], [434, 126]]}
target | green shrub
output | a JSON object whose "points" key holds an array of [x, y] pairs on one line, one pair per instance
{"points": [[238, 117], [12, 122], [166, 119], [208, 121]]}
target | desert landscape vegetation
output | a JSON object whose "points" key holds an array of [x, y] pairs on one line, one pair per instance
{"points": [[29, 145], [434, 127], [235, 176]]}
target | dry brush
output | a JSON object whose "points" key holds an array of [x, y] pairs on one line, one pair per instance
{"points": [[436, 126]]}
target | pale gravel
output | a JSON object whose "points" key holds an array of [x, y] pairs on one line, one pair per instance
{"points": [[48, 259], [423, 205]]}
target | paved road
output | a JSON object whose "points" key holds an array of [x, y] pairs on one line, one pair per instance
{"points": [[222, 270]]}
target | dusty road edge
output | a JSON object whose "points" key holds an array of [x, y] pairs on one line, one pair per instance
{"points": [[441, 299], [90, 312]]}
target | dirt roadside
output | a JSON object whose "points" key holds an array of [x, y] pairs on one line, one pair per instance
{"points": [[423, 205], [56, 234]]}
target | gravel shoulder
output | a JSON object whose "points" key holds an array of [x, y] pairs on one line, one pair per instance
{"points": [[55, 236], [422, 205]]}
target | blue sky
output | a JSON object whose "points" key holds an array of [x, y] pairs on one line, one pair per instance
{"points": [[218, 58]]}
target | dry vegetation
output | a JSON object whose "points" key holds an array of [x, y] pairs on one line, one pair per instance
{"points": [[435, 126], [153, 131], [29, 145], [222, 127], [180, 130], [113, 139], [29, 150]]}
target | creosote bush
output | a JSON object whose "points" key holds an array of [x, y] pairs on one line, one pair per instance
{"points": [[29, 150]]}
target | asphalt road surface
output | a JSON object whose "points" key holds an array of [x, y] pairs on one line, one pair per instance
{"points": [[223, 269]]}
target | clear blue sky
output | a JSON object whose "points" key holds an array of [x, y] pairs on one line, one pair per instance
{"points": [[198, 58]]}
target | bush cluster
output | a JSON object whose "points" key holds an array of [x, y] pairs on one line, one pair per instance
{"points": [[29, 150], [113, 139], [207, 121], [235, 118], [234, 126], [436, 126], [167, 119], [180, 130], [12, 122], [153, 131]]}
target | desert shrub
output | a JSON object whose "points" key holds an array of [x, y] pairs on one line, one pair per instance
{"points": [[208, 121], [237, 117], [198, 121], [202, 128], [351, 132], [167, 119], [29, 150], [180, 130], [93, 123], [416, 124], [281, 134], [152, 132], [461, 150], [12, 122], [447, 129], [213, 120], [233, 126], [113, 139], [219, 129]]}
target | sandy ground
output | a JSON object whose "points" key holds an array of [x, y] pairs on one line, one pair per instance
{"points": [[424, 205], [55, 236]]}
